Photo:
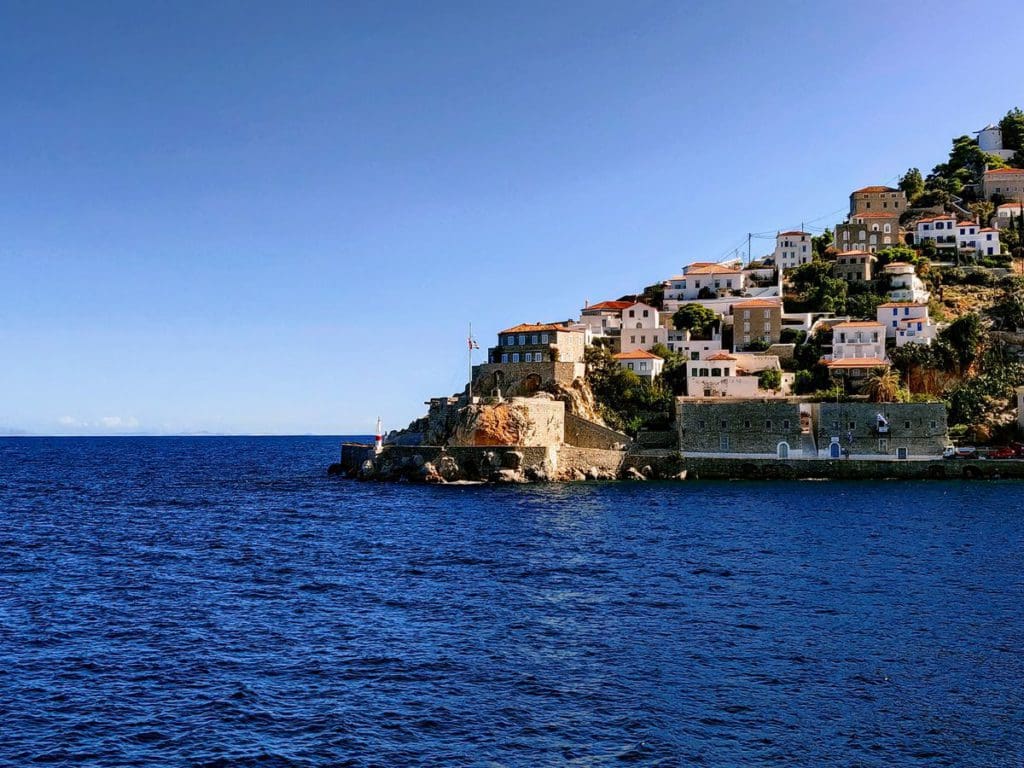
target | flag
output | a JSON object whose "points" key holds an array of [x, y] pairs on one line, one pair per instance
{"points": [[472, 343]]}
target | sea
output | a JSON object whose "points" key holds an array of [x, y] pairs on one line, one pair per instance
{"points": [[218, 601]]}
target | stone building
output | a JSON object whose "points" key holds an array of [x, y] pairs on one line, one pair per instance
{"points": [[756, 320], [881, 430], [792, 429], [877, 199], [1006, 182], [868, 232], [854, 266], [529, 357], [754, 428]]}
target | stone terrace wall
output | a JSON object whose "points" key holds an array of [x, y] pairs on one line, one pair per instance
{"points": [[572, 459], [511, 378], [583, 433], [850, 469]]}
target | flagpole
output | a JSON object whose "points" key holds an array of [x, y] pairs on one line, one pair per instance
{"points": [[470, 345]]}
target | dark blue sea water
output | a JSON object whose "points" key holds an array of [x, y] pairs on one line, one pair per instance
{"points": [[222, 602]]}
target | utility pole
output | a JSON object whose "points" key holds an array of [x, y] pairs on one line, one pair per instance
{"points": [[748, 248]]}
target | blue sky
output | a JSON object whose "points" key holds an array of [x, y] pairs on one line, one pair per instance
{"points": [[279, 218]]}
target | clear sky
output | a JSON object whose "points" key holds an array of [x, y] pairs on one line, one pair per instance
{"points": [[279, 218]]}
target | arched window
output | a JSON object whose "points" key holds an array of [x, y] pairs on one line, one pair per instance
{"points": [[783, 450]]}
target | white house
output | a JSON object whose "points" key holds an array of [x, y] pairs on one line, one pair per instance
{"points": [[641, 328], [642, 363], [904, 284], [941, 230], [858, 347], [713, 279], [974, 237], [694, 349], [1006, 213], [792, 249], [604, 318], [726, 374], [892, 313], [915, 331]]}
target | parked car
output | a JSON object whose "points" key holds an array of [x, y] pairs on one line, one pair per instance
{"points": [[960, 452], [1003, 452]]}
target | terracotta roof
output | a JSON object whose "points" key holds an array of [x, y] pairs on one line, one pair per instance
{"points": [[965, 224], [637, 354], [891, 304], [758, 304], [988, 229], [609, 305], [855, 253], [857, 362], [793, 232], [1014, 205], [908, 320], [723, 355], [857, 324], [899, 264], [876, 188], [944, 217], [1013, 171], [531, 327], [710, 269]]}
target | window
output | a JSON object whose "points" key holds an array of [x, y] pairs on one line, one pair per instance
{"points": [[768, 424], [515, 357], [504, 357], [695, 355], [933, 424], [785, 424], [901, 453], [701, 424], [883, 445], [887, 228], [632, 339], [632, 313], [906, 425], [767, 314], [716, 371], [647, 313], [723, 442], [723, 423], [528, 357], [630, 366], [746, 424], [522, 340], [533, 339], [510, 341], [853, 425], [544, 336], [643, 366]]}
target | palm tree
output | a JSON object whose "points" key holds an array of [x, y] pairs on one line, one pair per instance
{"points": [[882, 385]]}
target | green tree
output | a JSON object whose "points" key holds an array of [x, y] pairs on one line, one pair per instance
{"points": [[962, 340], [863, 305], [627, 401], [912, 184], [1012, 127], [696, 318], [819, 243], [770, 378], [882, 385]]}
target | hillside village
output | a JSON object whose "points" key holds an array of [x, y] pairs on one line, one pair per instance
{"points": [[908, 312]]}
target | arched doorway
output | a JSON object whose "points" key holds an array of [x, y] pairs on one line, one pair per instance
{"points": [[783, 450]]}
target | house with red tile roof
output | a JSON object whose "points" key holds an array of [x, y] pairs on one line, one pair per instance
{"points": [[644, 364], [1008, 183]]}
